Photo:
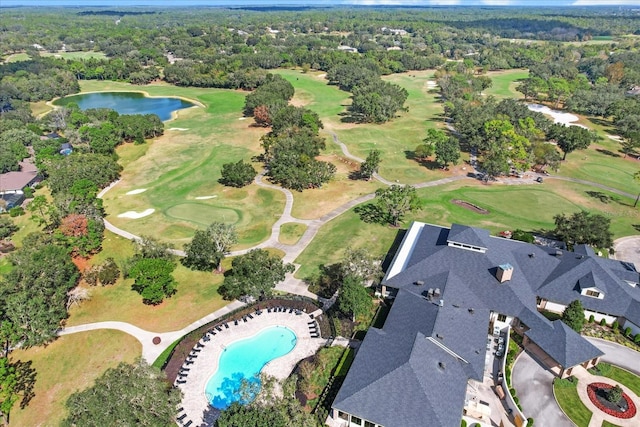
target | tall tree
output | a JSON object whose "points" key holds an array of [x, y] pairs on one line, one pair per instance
{"points": [[573, 315], [237, 174], [255, 273], [447, 152], [17, 380], [153, 280], [127, 395], [571, 138], [208, 247], [34, 292], [394, 202], [353, 298], [370, 165], [584, 228], [636, 177]]}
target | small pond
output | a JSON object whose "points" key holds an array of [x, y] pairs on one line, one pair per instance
{"points": [[127, 103]]}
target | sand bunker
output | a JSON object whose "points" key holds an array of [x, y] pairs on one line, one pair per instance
{"points": [[431, 84], [470, 206], [242, 118], [136, 215], [137, 191], [561, 117], [322, 76], [205, 197], [177, 129]]}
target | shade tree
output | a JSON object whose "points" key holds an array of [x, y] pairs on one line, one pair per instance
{"points": [[584, 228], [237, 174], [370, 165], [208, 247], [255, 273]]}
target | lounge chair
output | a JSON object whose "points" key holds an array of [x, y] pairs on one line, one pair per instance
{"points": [[291, 310], [197, 350], [268, 309], [298, 312], [199, 345], [226, 326], [250, 316], [181, 417], [185, 369], [181, 381], [218, 328], [189, 362], [206, 338], [244, 319], [188, 423], [235, 322], [258, 312]]}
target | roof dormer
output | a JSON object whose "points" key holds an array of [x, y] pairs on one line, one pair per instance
{"points": [[469, 238]]}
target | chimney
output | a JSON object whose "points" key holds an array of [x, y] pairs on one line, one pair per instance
{"points": [[504, 272], [436, 293]]}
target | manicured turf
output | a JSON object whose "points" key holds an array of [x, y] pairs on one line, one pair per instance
{"points": [[69, 364], [291, 232], [197, 296], [528, 207], [17, 57], [76, 55], [505, 83], [620, 375], [568, 399], [183, 166]]}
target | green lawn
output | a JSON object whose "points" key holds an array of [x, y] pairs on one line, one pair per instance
{"points": [[608, 424], [69, 364], [180, 171], [510, 207], [568, 399], [620, 375], [76, 55], [505, 83], [291, 232]]}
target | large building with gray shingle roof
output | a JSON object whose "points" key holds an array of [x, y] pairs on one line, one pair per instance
{"points": [[452, 287]]}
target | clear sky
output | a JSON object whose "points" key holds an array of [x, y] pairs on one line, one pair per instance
{"points": [[170, 3]]}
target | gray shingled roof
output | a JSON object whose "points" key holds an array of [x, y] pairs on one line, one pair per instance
{"points": [[395, 379], [565, 345], [468, 235]]}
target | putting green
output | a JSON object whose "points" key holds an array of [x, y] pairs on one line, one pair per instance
{"points": [[202, 214]]}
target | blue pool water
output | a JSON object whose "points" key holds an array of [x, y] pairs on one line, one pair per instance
{"points": [[243, 360], [127, 103]]}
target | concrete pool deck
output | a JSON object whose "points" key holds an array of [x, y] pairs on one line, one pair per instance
{"points": [[194, 402]]}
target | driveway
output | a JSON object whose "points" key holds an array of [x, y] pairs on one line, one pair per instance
{"points": [[534, 388], [618, 355], [628, 249]]}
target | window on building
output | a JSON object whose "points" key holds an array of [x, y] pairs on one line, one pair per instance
{"points": [[502, 317], [355, 420], [343, 415], [594, 294], [369, 424]]}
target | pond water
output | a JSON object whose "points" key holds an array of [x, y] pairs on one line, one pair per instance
{"points": [[242, 361], [127, 103]]}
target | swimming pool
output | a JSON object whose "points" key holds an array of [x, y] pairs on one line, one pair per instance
{"points": [[243, 360]]}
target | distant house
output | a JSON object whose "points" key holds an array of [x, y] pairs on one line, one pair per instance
{"points": [[348, 49], [10, 201], [66, 149], [454, 288]]}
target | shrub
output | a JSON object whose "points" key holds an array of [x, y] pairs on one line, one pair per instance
{"points": [[16, 211], [463, 423], [615, 325], [591, 318], [636, 339], [603, 322], [516, 400], [614, 394], [529, 422], [512, 391], [627, 331], [28, 192]]}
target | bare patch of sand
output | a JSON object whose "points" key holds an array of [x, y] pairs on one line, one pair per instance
{"points": [[242, 118], [136, 215], [177, 129], [431, 84], [561, 117], [205, 197], [137, 191], [321, 76]]}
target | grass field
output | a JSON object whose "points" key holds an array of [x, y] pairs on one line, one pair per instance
{"points": [[76, 55], [620, 375], [69, 364], [568, 399], [510, 207], [505, 82], [197, 296], [17, 57], [291, 232], [180, 171]]}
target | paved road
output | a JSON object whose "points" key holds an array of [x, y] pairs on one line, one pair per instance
{"points": [[618, 355], [534, 387]]}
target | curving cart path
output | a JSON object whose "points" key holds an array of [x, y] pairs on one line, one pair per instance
{"points": [[291, 285]]}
